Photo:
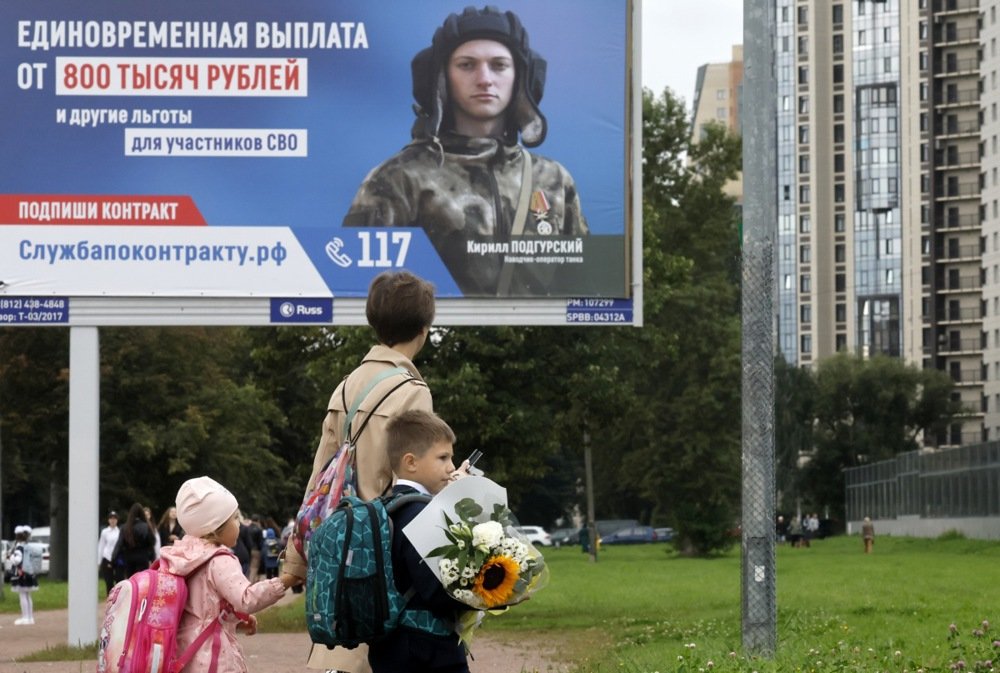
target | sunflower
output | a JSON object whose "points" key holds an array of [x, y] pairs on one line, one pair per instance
{"points": [[496, 579]]}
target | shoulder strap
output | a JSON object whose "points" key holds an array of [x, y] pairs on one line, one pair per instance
{"points": [[393, 503], [520, 218], [381, 376], [213, 630]]}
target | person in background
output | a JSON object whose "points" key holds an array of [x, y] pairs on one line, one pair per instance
{"points": [[136, 542], [23, 582], [256, 547], [170, 529], [868, 534], [151, 522], [271, 550], [105, 550], [242, 547]]}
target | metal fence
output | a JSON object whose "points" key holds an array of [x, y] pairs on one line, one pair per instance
{"points": [[962, 482]]}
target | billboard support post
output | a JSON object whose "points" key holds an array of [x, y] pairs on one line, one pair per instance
{"points": [[759, 217]]}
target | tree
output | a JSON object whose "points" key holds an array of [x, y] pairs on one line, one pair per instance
{"points": [[868, 410], [687, 360]]}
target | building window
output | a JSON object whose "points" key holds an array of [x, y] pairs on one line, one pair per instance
{"points": [[720, 94], [803, 105], [805, 314], [839, 253], [803, 15], [839, 223], [805, 226], [805, 283], [838, 163], [841, 342], [840, 312], [804, 133], [838, 43], [840, 282], [803, 74], [807, 343], [804, 163], [805, 254], [838, 133], [838, 13], [838, 74], [803, 193], [838, 193]]}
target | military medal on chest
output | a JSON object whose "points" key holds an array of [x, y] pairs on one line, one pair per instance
{"points": [[540, 208]]}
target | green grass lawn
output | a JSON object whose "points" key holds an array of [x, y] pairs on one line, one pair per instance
{"points": [[645, 609]]}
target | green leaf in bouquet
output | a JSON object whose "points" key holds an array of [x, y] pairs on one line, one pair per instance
{"points": [[468, 509], [446, 551]]}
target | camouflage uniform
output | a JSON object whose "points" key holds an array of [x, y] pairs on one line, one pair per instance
{"points": [[466, 190]]}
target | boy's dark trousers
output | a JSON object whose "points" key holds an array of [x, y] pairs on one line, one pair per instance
{"points": [[406, 651]]}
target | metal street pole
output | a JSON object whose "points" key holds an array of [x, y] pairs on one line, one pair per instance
{"points": [[589, 473], [759, 224]]}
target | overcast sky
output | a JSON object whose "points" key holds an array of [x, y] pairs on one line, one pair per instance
{"points": [[678, 36]]}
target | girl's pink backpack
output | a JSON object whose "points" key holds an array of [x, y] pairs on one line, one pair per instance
{"points": [[141, 618]]}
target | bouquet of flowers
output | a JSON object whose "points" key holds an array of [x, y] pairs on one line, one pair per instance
{"points": [[467, 536], [487, 565]]}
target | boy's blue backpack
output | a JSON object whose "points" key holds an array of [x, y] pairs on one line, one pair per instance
{"points": [[351, 596]]}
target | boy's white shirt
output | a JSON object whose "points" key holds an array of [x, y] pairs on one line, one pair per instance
{"points": [[412, 484]]}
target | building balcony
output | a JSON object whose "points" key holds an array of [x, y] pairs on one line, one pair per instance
{"points": [[961, 346], [964, 377], [958, 129], [949, 159], [960, 190], [956, 7], [971, 314], [957, 67], [970, 221], [961, 253], [956, 99], [950, 36]]}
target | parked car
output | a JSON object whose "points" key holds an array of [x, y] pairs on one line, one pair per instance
{"points": [[536, 535], [608, 526], [630, 535], [561, 536], [664, 534]]}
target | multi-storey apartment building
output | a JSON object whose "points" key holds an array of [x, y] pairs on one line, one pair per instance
{"points": [[718, 98], [884, 191]]}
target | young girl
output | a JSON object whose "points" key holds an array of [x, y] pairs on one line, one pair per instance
{"points": [[23, 583], [209, 513]]}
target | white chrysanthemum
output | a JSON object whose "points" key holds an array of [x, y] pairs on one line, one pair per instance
{"points": [[488, 534], [469, 598], [449, 570], [469, 571]]}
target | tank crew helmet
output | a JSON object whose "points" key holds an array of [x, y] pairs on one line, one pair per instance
{"points": [[430, 81]]}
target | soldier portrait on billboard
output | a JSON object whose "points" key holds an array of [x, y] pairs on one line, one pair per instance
{"points": [[466, 178]]}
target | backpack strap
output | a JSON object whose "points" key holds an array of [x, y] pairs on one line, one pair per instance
{"points": [[213, 630], [359, 400]]}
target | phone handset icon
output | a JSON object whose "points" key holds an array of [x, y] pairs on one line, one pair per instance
{"points": [[333, 252]]}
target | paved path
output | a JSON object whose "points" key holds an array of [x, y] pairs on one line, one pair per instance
{"points": [[265, 652]]}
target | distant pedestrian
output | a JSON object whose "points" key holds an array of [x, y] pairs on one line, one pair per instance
{"points": [[136, 543], [868, 534], [170, 530], [23, 582], [106, 550]]}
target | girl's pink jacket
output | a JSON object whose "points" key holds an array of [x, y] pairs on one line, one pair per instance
{"points": [[219, 583]]}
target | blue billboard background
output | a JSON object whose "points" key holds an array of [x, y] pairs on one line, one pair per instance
{"points": [[357, 113]]}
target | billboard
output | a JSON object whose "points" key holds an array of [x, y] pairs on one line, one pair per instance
{"points": [[252, 149]]}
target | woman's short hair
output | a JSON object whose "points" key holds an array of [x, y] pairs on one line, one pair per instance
{"points": [[400, 305]]}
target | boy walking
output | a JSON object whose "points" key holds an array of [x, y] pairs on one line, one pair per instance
{"points": [[420, 448]]}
